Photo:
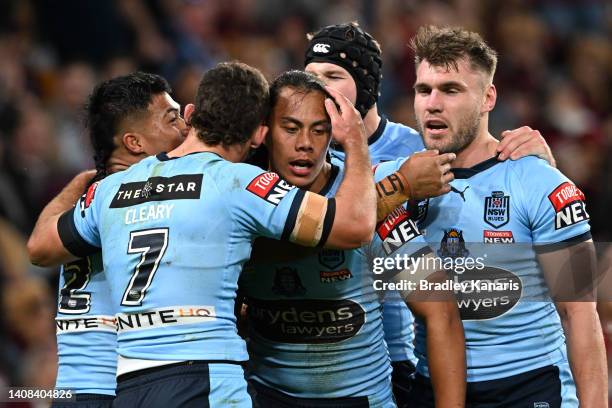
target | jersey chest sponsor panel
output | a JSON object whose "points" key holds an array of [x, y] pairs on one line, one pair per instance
{"points": [[85, 327], [390, 142], [315, 324], [493, 214], [174, 238]]}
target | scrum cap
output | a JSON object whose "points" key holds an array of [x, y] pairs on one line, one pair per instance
{"points": [[348, 46]]}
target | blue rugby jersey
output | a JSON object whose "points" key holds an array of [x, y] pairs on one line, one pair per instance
{"points": [[85, 328], [392, 141], [315, 328], [174, 234], [496, 211]]}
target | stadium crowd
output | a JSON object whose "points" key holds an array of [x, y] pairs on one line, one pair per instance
{"points": [[554, 74]]}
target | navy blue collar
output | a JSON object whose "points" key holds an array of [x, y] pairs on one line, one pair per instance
{"points": [[465, 173], [163, 156], [332, 177], [373, 137]]}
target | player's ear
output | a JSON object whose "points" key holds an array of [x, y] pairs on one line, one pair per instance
{"points": [[258, 136], [189, 109], [490, 98], [133, 142]]}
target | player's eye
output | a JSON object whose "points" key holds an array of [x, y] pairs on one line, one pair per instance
{"points": [[291, 129], [319, 131]]}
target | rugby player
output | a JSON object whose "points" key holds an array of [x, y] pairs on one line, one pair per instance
{"points": [[128, 118], [526, 351], [349, 59], [315, 327], [176, 228]]}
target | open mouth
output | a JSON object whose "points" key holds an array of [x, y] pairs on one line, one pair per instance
{"points": [[301, 167], [435, 126]]}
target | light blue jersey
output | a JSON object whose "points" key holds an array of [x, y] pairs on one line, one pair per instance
{"points": [[495, 212], [85, 327], [315, 322], [392, 141], [175, 233]]}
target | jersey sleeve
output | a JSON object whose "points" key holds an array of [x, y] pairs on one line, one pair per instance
{"points": [[78, 227], [271, 207], [555, 206]]}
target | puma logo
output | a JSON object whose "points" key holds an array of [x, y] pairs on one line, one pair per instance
{"points": [[454, 190]]}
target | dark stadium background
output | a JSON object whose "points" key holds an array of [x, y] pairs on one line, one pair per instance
{"points": [[554, 74]]}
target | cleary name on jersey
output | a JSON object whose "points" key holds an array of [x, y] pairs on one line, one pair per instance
{"points": [[174, 234], [500, 213], [392, 141], [315, 322]]}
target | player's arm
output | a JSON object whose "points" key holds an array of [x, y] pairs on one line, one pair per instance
{"points": [[355, 202], [444, 334], [423, 175], [45, 246], [522, 142], [571, 274]]}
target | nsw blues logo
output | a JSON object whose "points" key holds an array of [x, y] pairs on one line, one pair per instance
{"points": [[497, 209]]}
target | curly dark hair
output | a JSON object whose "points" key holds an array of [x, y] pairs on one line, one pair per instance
{"points": [[444, 46], [232, 100], [113, 101]]}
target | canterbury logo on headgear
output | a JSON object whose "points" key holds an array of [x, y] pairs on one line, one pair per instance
{"points": [[321, 48]]}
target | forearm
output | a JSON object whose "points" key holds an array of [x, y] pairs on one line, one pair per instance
{"points": [[391, 192], [586, 353], [446, 359], [356, 197], [44, 238]]}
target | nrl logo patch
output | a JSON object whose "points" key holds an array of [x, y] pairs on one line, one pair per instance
{"points": [[497, 209], [453, 245]]}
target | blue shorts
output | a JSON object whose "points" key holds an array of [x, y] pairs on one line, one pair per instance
{"points": [[266, 397], [85, 401], [547, 387], [187, 384], [402, 378]]}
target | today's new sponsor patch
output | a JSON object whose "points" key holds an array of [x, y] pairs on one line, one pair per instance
{"points": [[396, 230], [270, 187], [568, 203]]}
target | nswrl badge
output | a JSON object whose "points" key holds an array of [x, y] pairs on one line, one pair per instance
{"points": [[497, 209]]}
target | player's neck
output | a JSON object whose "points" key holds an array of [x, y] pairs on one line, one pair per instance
{"points": [[121, 159], [371, 120], [481, 149], [321, 180], [193, 144]]}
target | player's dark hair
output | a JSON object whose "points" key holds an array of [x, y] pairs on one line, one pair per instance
{"points": [[232, 100], [113, 101], [444, 46], [300, 81]]}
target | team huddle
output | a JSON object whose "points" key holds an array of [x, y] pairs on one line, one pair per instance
{"points": [[196, 273]]}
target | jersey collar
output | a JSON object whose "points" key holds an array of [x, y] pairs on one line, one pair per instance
{"points": [[465, 173], [330, 182], [163, 156], [373, 137]]}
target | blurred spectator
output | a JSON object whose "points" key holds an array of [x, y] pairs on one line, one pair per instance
{"points": [[554, 74]]}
